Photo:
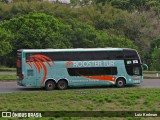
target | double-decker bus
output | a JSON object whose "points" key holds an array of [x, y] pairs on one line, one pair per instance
{"points": [[62, 68]]}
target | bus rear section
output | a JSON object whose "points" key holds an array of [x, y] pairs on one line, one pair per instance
{"points": [[32, 68], [20, 75]]}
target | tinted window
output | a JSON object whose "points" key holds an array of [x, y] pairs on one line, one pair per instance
{"points": [[81, 56], [28, 55], [130, 54], [19, 65], [85, 55], [134, 70], [101, 55], [56, 56], [116, 55], [92, 71], [19, 62], [69, 56]]}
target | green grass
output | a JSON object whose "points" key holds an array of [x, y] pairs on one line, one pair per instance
{"points": [[146, 77], [7, 77], [151, 72], [3, 68], [98, 99]]}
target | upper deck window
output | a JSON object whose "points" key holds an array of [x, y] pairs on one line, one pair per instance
{"points": [[81, 56], [130, 54]]}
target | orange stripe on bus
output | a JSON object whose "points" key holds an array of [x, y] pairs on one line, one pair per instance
{"points": [[108, 78]]}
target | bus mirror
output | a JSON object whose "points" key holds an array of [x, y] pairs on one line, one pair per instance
{"points": [[145, 66]]}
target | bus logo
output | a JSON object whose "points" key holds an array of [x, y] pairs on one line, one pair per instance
{"points": [[38, 60]]}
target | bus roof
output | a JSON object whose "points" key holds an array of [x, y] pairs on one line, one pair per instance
{"points": [[74, 50]]}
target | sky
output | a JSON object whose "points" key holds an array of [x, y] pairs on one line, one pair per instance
{"points": [[63, 1]]}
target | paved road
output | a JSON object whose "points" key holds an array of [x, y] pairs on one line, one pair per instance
{"points": [[9, 87], [8, 72]]}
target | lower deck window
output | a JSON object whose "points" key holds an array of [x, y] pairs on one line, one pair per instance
{"points": [[92, 71]]}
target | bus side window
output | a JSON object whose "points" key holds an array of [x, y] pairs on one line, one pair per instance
{"points": [[110, 71], [114, 71], [29, 72], [85, 56]]}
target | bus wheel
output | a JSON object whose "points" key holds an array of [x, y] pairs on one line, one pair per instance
{"points": [[50, 85], [120, 82], [62, 85]]}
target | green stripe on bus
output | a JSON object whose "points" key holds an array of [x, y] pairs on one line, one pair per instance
{"points": [[24, 55]]}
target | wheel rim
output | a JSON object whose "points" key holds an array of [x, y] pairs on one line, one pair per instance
{"points": [[120, 83], [62, 85], [50, 85]]}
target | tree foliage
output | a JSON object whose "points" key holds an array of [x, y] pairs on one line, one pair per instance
{"points": [[38, 30], [83, 23], [131, 5], [5, 46], [155, 59], [32, 30]]}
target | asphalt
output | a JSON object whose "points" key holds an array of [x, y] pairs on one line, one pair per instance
{"points": [[11, 86]]}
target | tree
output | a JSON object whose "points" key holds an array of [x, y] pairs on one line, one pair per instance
{"points": [[156, 59], [5, 46], [82, 35], [5, 1], [95, 25], [155, 54], [155, 44], [32, 30], [106, 40], [35, 30], [78, 3]]}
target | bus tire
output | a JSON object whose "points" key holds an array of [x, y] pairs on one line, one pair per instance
{"points": [[62, 85], [50, 85], [120, 83]]}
